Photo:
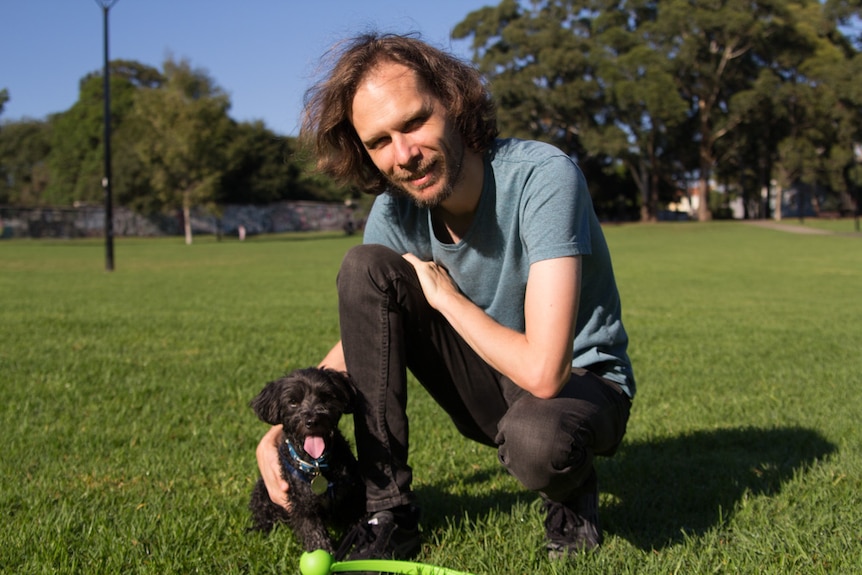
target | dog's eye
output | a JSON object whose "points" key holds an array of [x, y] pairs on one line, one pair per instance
{"points": [[292, 403]]}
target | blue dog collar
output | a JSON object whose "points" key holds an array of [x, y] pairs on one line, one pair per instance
{"points": [[315, 466], [309, 472]]}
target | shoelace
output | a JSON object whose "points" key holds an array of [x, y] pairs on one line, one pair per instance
{"points": [[368, 537]]}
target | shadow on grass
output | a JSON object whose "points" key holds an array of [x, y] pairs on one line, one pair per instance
{"points": [[661, 491], [440, 505], [664, 489]]}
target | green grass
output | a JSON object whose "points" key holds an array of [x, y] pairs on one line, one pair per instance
{"points": [[129, 445], [835, 225]]}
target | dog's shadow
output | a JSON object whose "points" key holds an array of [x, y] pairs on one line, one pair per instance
{"points": [[660, 491]]}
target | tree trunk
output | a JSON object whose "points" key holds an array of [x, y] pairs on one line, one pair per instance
{"points": [[651, 176], [703, 213], [639, 175], [653, 200], [706, 162], [187, 223], [779, 198]]}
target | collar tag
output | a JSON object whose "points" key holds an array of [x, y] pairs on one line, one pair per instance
{"points": [[319, 485]]}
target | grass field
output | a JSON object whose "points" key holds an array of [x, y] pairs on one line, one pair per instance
{"points": [[128, 444], [835, 225]]}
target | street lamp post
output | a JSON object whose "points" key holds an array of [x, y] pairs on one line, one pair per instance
{"points": [[106, 5]]}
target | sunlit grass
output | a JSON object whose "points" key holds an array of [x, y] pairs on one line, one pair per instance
{"points": [[129, 446]]}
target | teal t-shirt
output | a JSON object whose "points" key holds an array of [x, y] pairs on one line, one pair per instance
{"points": [[534, 206]]}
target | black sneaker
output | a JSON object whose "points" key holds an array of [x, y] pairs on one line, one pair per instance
{"points": [[573, 526], [390, 534]]}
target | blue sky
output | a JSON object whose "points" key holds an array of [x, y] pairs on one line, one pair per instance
{"points": [[261, 52]]}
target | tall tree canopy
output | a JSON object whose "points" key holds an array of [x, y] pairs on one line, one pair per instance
{"points": [[24, 149], [173, 145], [77, 153], [184, 131], [672, 90], [655, 98], [4, 97]]}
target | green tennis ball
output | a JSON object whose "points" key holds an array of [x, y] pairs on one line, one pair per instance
{"points": [[315, 563]]}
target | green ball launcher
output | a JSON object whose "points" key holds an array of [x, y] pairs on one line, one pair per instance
{"points": [[322, 563]]}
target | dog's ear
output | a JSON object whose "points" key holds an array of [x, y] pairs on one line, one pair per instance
{"points": [[347, 387], [267, 403]]}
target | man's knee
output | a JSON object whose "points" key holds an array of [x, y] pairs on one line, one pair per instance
{"points": [[365, 257], [545, 449], [364, 264]]}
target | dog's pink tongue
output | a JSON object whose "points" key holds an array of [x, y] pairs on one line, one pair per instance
{"points": [[314, 446]]}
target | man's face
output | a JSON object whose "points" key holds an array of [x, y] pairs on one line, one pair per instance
{"points": [[407, 134]]}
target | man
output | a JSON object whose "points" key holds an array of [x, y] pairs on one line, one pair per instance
{"points": [[484, 271]]}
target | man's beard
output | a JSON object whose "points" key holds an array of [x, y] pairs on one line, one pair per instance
{"points": [[453, 162]]}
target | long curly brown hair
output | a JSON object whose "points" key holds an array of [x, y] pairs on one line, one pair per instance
{"points": [[326, 129]]}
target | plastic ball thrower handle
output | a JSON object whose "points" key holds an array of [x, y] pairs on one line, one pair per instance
{"points": [[321, 563]]}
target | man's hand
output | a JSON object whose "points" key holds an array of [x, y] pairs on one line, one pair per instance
{"points": [[435, 280], [270, 467], [539, 359]]}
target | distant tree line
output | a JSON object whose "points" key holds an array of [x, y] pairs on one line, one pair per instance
{"points": [[655, 98], [173, 147], [659, 94]]}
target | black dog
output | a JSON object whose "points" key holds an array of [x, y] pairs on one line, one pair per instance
{"points": [[316, 460]]}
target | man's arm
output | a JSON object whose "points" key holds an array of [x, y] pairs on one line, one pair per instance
{"points": [[335, 358], [267, 450], [540, 359], [270, 467]]}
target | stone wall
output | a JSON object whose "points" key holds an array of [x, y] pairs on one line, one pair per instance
{"points": [[89, 221]]}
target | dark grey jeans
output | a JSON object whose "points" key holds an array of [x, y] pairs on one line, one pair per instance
{"points": [[387, 327]]}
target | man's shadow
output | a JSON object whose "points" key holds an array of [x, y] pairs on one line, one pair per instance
{"points": [[685, 485], [662, 490]]}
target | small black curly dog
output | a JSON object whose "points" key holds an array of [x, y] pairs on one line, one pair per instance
{"points": [[316, 460]]}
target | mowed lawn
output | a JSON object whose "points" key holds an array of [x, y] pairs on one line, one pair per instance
{"points": [[128, 443]]}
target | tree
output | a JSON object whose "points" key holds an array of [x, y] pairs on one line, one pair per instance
{"points": [[643, 108], [539, 67], [77, 155], [262, 167], [24, 150], [584, 77], [800, 115], [642, 82], [4, 97], [183, 128], [542, 72]]}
